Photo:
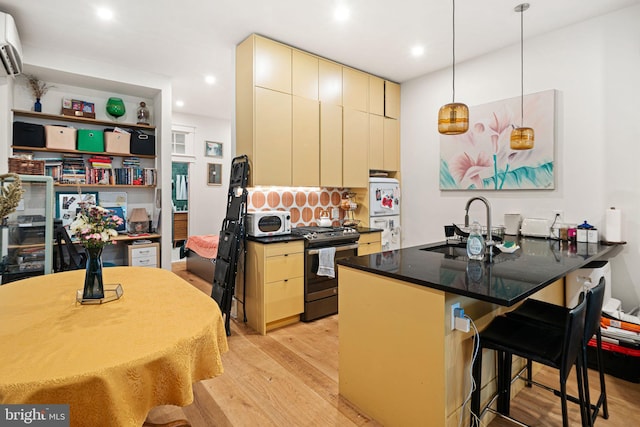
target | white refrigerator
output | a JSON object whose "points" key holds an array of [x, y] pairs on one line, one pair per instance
{"points": [[384, 210]]}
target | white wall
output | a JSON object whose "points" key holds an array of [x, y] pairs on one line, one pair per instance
{"points": [[594, 67], [207, 204]]}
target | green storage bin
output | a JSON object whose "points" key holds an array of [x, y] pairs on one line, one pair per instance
{"points": [[91, 140]]}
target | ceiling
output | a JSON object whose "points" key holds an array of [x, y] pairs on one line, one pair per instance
{"points": [[189, 39]]}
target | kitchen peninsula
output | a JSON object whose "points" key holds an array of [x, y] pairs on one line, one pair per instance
{"points": [[400, 361]]}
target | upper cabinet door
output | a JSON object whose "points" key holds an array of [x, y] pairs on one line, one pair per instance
{"points": [[272, 65], [330, 145], [376, 142], [391, 145], [355, 89], [391, 100], [355, 149], [272, 161], [305, 75], [330, 79], [306, 142], [376, 95]]}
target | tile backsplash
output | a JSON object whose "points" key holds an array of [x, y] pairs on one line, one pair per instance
{"points": [[306, 204]]}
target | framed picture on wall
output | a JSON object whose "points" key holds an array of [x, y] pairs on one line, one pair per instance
{"points": [[68, 204], [213, 149], [214, 174]]}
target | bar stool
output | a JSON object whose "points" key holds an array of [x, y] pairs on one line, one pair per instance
{"points": [[554, 315], [558, 348]]}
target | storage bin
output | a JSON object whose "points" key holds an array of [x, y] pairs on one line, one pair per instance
{"points": [[60, 137], [91, 140], [142, 143], [28, 135], [619, 360], [26, 167], [117, 142]]}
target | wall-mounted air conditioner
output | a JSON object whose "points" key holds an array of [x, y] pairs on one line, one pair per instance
{"points": [[10, 47]]}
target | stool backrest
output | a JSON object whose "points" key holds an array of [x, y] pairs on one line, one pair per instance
{"points": [[595, 299], [573, 337]]}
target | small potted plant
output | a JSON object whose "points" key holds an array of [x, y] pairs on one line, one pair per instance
{"points": [[38, 89]]}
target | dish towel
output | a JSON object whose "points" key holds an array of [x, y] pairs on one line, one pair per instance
{"points": [[326, 262]]}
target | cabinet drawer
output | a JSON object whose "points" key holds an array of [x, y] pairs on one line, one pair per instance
{"points": [[283, 248], [369, 237], [369, 248], [283, 267], [147, 255], [284, 298], [149, 261]]}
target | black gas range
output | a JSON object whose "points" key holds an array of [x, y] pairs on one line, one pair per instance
{"points": [[324, 236], [321, 288]]}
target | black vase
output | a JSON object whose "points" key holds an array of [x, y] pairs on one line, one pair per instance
{"points": [[37, 106], [93, 286]]}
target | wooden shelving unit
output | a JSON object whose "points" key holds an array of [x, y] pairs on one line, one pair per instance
{"points": [[46, 116]]}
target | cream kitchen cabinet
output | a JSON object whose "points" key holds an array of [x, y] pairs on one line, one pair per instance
{"points": [[272, 65], [376, 142], [271, 151], [391, 100], [274, 285], [330, 145], [329, 82], [305, 121], [304, 78], [355, 89], [370, 243], [391, 161], [355, 149], [376, 95], [306, 142]]}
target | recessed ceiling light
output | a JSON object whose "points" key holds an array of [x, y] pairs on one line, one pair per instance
{"points": [[341, 13], [179, 103], [210, 80], [417, 51], [104, 14]]}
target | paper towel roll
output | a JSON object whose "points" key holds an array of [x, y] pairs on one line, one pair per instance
{"points": [[613, 225]]}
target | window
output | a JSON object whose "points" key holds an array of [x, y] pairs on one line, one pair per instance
{"points": [[182, 138]]}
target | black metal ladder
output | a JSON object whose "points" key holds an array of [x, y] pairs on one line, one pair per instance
{"points": [[232, 239]]}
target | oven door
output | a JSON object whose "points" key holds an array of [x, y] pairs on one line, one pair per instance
{"points": [[318, 287]]}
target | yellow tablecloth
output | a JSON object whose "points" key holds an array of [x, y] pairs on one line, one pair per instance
{"points": [[112, 362]]}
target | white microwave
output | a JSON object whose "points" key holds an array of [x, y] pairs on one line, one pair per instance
{"points": [[268, 223]]}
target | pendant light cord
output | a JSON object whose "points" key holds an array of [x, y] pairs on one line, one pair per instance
{"points": [[521, 67], [454, 52]]}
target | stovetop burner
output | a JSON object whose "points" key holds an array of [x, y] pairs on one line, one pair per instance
{"points": [[327, 235]]}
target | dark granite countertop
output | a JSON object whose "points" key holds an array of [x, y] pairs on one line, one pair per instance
{"points": [[508, 280], [292, 237]]}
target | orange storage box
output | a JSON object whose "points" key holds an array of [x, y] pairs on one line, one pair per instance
{"points": [[60, 137], [117, 142]]}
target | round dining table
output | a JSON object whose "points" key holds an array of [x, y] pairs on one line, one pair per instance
{"points": [[111, 362]]}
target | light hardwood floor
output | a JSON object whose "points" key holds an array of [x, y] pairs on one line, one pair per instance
{"points": [[290, 378]]}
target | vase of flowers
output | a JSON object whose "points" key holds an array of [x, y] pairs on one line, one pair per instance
{"points": [[95, 227], [38, 89]]}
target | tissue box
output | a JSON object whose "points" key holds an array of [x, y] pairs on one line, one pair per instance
{"points": [[91, 140], [60, 137]]}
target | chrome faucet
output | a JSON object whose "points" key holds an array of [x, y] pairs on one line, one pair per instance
{"points": [[489, 241]]}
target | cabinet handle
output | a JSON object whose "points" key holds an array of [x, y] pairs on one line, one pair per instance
{"points": [[286, 280], [286, 254]]}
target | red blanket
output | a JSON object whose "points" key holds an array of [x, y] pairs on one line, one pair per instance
{"points": [[206, 246]]}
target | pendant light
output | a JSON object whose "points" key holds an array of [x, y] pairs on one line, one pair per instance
{"points": [[453, 118], [522, 137]]}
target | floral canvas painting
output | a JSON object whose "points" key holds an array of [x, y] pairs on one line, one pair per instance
{"points": [[481, 158]]}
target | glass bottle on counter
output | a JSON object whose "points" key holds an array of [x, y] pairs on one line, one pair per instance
{"points": [[476, 246]]}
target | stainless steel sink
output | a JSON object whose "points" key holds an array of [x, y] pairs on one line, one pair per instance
{"points": [[454, 250]]}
